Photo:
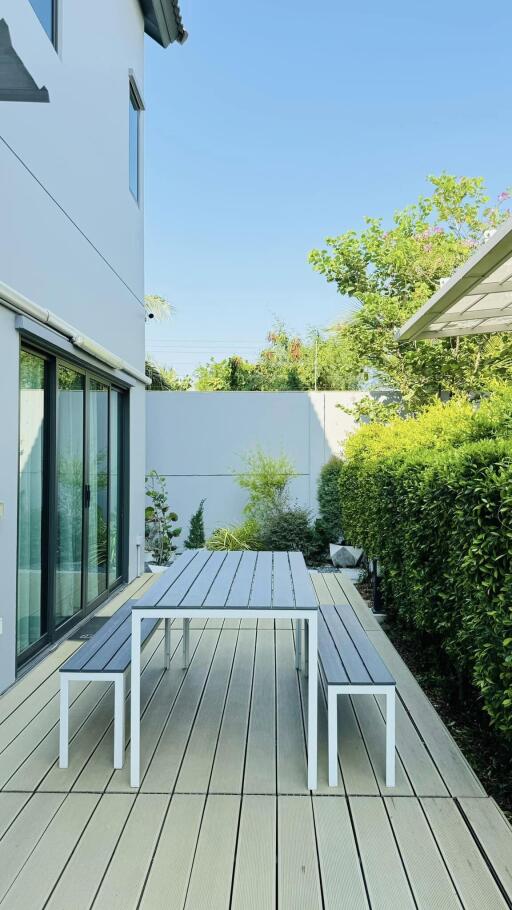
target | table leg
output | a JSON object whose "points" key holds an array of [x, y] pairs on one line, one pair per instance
{"points": [[186, 643], [298, 644], [135, 702], [312, 701], [167, 649]]}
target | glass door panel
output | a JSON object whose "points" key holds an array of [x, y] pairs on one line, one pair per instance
{"points": [[70, 481], [97, 490], [31, 618], [116, 487]]}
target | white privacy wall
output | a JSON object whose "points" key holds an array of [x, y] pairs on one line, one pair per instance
{"points": [[197, 439]]}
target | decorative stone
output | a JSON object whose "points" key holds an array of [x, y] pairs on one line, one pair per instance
{"points": [[345, 557]]}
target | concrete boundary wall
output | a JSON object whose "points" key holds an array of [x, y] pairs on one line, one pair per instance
{"points": [[197, 439]]}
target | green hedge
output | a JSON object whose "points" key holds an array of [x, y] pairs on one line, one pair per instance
{"points": [[328, 524], [431, 497]]}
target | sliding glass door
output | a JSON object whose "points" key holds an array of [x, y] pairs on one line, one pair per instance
{"points": [[31, 607], [71, 503], [70, 499], [97, 491]]}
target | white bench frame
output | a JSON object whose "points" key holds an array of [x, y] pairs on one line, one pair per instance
{"points": [[332, 725], [332, 713], [118, 678]]}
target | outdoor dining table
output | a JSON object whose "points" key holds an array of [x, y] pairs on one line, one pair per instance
{"points": [[230, 585]]}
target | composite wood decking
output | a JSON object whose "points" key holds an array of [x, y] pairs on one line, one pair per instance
{"points": [[223, 818]]}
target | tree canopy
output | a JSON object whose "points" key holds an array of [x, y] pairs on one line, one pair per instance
{"points": [[390, 272], [287, 363]]}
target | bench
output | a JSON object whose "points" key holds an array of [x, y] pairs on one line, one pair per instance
{"points": [[104, 658], [350, 665]]}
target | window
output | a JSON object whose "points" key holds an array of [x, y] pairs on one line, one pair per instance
{"points": [[134, 143], [45, 11]]}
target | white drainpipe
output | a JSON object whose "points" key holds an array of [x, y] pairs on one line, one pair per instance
{"points": [[20, 304]]}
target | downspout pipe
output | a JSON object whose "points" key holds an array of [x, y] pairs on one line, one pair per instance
{"points": [[20, 304]]}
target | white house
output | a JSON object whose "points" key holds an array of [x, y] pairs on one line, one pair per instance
{"points": [[72, 379]]}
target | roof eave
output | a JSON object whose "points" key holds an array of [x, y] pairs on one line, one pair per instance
{"points": [[162, 21], [467, 276]]}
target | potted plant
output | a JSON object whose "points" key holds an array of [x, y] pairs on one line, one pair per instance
{"points": [[160, 523]]}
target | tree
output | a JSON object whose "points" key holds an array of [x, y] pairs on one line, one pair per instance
{"points": [[196, 537], [157, 307], [287, 363], [391, 272], [165, 379]]}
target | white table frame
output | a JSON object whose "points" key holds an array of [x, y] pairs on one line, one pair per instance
{"points": [[310, 615]]}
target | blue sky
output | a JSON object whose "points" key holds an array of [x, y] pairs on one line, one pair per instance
{"points": [[280, 123]]}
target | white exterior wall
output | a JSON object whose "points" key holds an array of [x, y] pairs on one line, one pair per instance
{"points": [[197, 439], [71, 234]]}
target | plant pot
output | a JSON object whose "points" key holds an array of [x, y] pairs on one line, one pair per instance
{"points": [[153, 567]]}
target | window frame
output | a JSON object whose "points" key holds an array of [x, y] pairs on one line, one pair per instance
{"points": [[52, 36], [136, 104]]}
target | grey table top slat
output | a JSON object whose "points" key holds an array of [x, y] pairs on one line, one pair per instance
{"points": [[242, 582], [349, 656], [221, 587], [283, 592], [262, 580], [164, 581], [303, 586], [182, 582], [261, 594], [367, 651], [198, 591]]}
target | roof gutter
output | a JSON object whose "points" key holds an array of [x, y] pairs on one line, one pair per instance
{"points": [[20, 304]]}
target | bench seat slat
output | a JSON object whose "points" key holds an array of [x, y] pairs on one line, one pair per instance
{"points": [[112, 654], [84, 653], [347, 655], [122, 659], [330, 659], [367, 651]]}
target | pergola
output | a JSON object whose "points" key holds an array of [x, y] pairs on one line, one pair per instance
{"points": [[476, 299]]}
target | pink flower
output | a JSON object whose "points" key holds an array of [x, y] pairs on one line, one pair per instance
{"points": [[503, 195]]}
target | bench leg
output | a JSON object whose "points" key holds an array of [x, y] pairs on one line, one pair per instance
{"points": [[64, 722], [390, 737], [332, 735], [119, 721], [298, 643], [313, 704], [186, 643], [167, 645]]}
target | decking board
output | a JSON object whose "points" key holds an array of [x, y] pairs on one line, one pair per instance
{"points": [[245, 833]]}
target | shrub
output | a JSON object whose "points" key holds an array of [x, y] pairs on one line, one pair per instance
{"points": [[288, 529], [328, 524], [266, 479], [432, 498], [195, 537], [160, 533], [243, 537]]}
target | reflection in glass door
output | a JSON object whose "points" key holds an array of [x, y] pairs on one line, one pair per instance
{"points": [[96, 490], [70, 480], [71, 509], [116, 487], [31, 614]]}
